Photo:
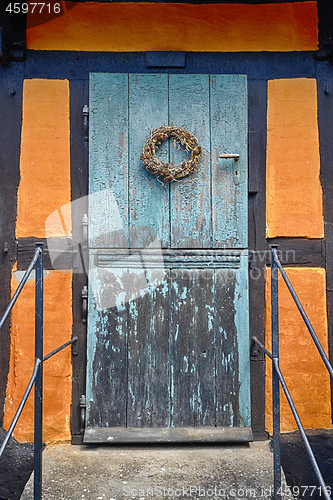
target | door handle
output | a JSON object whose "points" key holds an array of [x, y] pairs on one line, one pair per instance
{"points": [[235, 157]]}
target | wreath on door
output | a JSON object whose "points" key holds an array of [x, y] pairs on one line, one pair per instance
{"points": [[163, 169]]}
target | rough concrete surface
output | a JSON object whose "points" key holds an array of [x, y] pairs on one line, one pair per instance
{"points": [[165, 472]]}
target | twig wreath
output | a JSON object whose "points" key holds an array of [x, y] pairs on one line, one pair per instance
{"points": [[163, 169]]}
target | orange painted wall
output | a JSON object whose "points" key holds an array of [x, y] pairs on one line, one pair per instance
{"points": [[300, 362], [294, 194], [57, 370], [132, 26], [44, 187], [45, 155]]}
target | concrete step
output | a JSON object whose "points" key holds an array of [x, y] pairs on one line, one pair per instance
{"points": [[91, 472]]}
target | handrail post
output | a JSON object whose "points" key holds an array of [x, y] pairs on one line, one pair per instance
{"points": [[275, 376], [38, 425]]}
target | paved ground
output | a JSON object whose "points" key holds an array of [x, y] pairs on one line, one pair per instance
{"points": [[116, 473]]}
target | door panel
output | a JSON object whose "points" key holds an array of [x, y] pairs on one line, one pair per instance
{"points": [[108, 156], [191, 224], [192, 347], [168, 304], [228, 109], [149, 207], [148, 358]]}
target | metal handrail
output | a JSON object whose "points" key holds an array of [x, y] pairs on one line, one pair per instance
{"points": [[277, 377], [303, 314], [20, 408], [52, 353], [28, 390], [21, 285], [37, 376]]}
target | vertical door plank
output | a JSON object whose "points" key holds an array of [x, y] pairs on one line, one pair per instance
{"points": [[149, 199], [108, 160], [192, 348], [228, 94], [227, 370], [148, 352], [106, 348], [191, 201], [108, 222], [242, 327]]}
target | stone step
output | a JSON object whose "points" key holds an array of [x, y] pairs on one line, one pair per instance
{"points": [[91, 472]]}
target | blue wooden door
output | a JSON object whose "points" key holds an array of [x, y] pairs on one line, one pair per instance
{"points": [[168, 335]]}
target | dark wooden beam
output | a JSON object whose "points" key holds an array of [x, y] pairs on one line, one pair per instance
{"points": [[257, 92], [11, 84], [79, 187], [58, 252], [118, 435], [325, 19], [74, 65], [325, 110], [298, 252]]}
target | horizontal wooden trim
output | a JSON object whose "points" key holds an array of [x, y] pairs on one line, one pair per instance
{"points": [[58, 253], [77, 65], [160, 259], [297, 252], [170, 435], [166, 59]]}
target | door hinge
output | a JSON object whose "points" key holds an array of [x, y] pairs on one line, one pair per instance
{"points": [[83, 405], [84, 303], [85, 113]]}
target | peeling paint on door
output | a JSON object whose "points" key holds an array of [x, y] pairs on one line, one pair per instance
{"points": [[168, 306]]}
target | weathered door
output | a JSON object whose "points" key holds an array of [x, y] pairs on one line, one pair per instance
{"points": [[168, 289]]}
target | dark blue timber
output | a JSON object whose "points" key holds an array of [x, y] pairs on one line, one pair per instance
{"points": [[11, 77], [166, 59], [75, 65], [257, 96]]}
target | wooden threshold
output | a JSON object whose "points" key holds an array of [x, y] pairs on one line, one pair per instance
{"points": [[110, 435]]}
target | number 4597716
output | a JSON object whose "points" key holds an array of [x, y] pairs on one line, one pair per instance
{"points": [[17, 8]]}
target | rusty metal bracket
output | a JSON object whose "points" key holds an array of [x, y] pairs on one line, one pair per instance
{"points": [[325, 52], [84, 223], [85, 113], [84, 304], [83, 405]]}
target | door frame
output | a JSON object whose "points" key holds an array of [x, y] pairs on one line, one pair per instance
{"points": [[257, 98]]}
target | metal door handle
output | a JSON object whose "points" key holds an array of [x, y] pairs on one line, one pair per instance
{"points": [[233, 156]]}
